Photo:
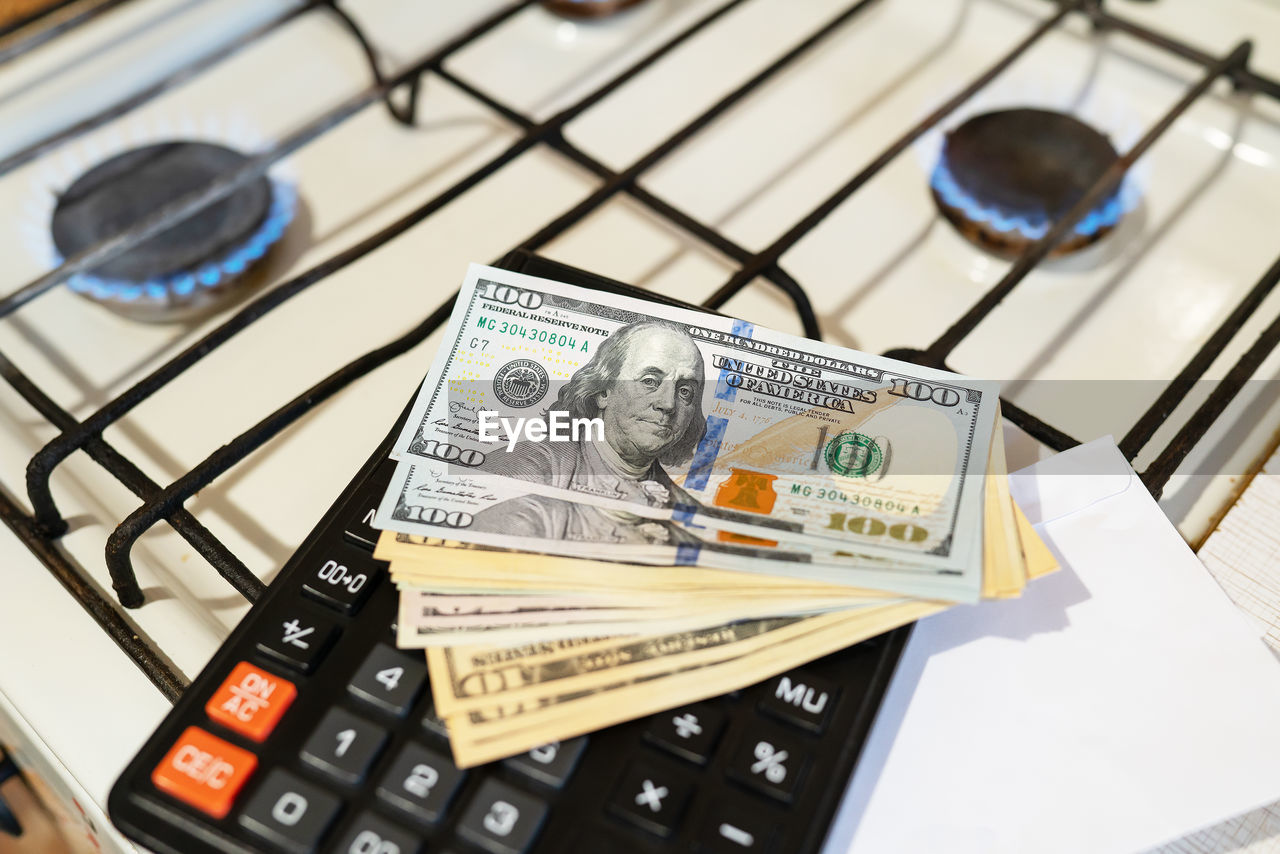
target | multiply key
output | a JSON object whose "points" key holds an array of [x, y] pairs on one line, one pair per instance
{"points": [[650, 798]]}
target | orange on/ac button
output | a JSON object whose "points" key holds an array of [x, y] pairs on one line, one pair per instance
{"points": [[204, 771], [251, 701]]}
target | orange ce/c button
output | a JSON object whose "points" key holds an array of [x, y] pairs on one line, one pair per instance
{"points": [[251, 701], [204, 771]]}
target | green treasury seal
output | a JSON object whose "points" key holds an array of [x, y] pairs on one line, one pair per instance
{"points": [[853, 455]]}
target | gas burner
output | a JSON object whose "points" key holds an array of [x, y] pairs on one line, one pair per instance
{"points": [[1005, 177], [588, 8], [190, 267]]}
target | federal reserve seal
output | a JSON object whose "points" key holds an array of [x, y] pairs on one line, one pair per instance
{"points": [[853, 455], [521, 383]]}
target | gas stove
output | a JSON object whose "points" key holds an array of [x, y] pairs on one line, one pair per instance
{"points": [[169, 432]]}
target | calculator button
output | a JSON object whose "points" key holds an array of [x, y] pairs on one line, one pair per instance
{"points": [[650, 798], [433, 723], [370, 834], [289, 813], [770, 764], [342, 579], [735, 829], [596, 840], [359, 530], [690, 733], [502, 819], [389, 680], [421, 783], [551, 763], [298, 640], [204, 771], [250, 701], [800, 699], [344, 746]]}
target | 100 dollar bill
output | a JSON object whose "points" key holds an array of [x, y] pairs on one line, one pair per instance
{"points": [[550, 407], [521, 713], [421, 500]]}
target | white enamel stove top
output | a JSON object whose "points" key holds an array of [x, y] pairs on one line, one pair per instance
{"points": [[1085, 343]]}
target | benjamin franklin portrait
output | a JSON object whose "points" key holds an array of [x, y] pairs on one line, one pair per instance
{"points": [[645, 383]]}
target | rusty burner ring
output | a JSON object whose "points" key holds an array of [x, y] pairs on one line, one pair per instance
{"points": [[586, 9]]}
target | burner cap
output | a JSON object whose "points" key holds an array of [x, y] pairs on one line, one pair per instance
{"points": [[1005, 177], [120, 192], [587, 8]]}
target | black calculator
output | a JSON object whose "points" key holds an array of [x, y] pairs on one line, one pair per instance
{"points": [[309, 731]]}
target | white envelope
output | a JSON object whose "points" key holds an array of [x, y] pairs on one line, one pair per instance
{"points": [[1122, 702]]}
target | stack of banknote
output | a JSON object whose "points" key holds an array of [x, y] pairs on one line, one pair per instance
{"points": [[604, 507]]}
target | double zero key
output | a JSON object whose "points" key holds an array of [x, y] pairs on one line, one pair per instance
{"points": [[342, 578]]}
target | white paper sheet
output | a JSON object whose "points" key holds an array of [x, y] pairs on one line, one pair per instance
{"points": [[1122, 702]]}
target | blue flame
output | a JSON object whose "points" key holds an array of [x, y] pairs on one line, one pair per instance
{"points": [[1031, 226], [283, 200]]}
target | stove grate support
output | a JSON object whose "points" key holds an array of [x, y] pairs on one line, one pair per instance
{"points": [[1101, 189], [46, 523], [114, 111], [1142, 431], [46, 460], [121, 542], [405, 113], [25, 36], [253, 169]]}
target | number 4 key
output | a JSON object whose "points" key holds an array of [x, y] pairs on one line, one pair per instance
{"points": [[389, 680]]}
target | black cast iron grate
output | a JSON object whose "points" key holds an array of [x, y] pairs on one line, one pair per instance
{"points": [[41, 529]]}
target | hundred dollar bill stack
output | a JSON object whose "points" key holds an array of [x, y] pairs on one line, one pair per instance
{"points": [[604, 506]]}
